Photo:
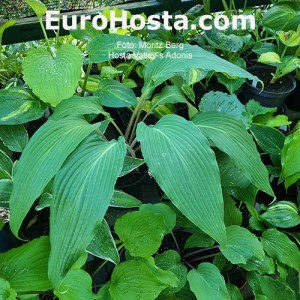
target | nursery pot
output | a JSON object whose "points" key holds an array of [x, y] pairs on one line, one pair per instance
{"points": [[273, 95], [293, 100]]}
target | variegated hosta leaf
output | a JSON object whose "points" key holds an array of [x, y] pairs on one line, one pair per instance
{"points": [[53, 79], [40, 161], [181, 161], [82, 192]]}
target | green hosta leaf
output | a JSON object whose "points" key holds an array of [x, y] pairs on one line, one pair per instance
{"points": [[104, 47], [163, 68], [184, 294], [290, 159], [231, 175], [82, 191], [170, 261], [18, 106], [234, 292], [41, 160], [131, 164], [270, 58], [165, 211], [199, 240], [134, 280], [77, 106], [123, 200], [218, 101], [169, 94], [76, 285], [265, 266], [264, 47], [166, 277], [25, 267], [290, 38], [280, 247], [103, 293], [53, 79], [6, 163], [5, 191], [6, 292], [38, 7], [282, 214], [231, 137], [232, 215], [246, 195], [270, 141], [282, 16], [141, 232], [220, 40], [86, 34], [4, 26], [14, 137], [274, 289], [181, 161], [207, 283], [255, 109], [112, 93], [242, 246], [103, 244]]}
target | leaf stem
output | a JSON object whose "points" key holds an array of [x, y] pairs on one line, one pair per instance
{"points": [[87, 74], [99, 268], [46, 37], [200, 251], [204, 257]]}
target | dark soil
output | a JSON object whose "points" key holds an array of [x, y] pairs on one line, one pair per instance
{"points": [[283, 85]]}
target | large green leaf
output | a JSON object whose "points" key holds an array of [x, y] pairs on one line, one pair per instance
{"points": [[77, 106], [18, 106], [14, 137], [165, 211], [222, 41], [106, 46], [141, 232], [112, 93], [207, 283], [181, 161], [231, 137], [25, 267], [270, 140], [283, 16], [280, 247], [134, 280], [53, 79], [82, 191], [274, 289], [290, 159], [170, 261], [242, 246], [218, 101], [103, 244], [41, 160], [165, 67], [123, 200], [283, 214]]}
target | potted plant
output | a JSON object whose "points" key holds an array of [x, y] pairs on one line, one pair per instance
{"points": [[209, 170], [282, 61]]}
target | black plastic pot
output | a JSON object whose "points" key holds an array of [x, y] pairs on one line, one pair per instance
{"points": [[293, 100], [5, 242], [265, 97]]}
